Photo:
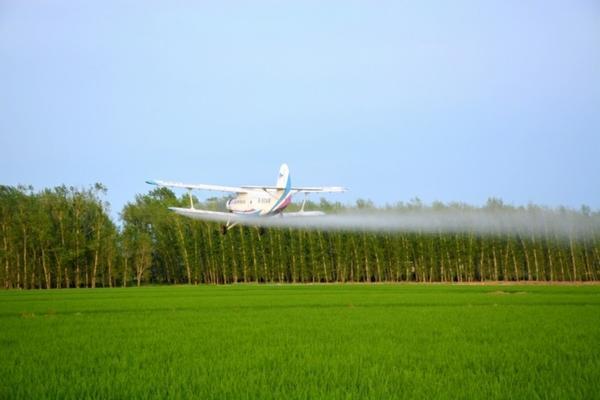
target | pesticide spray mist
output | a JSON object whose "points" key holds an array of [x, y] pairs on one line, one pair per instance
{"points": [[557, 223], [430, 221]]}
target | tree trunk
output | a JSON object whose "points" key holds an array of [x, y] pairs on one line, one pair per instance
{"points": [[45, 269], [280, 263], [495, 262], [186, 257], [24, 259], [293, 253], [366, 259], [59, 254], [515, 265], [573, 257], [210, 260], [77, 270], [109, 264], [527, 263], [550, 262], [234, 266], [272, 255], [459, 259], [139, 270], [6, 262], [58, 271], [535, 258], [96, 254], [481, 265], [125, 272], [243, 246]]}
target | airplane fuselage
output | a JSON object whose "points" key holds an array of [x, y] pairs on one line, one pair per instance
{"points": [[259, 203], [262, 202]]}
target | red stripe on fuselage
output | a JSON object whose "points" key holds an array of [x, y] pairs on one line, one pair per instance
{"points": [[283, 204]]}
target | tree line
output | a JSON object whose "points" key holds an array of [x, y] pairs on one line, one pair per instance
{"points": [[64, 237]]}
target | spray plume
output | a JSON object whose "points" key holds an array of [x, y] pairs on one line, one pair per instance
{"points": [[480, 221]]}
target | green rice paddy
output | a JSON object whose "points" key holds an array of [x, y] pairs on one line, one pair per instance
{"points": [[302, 341]]}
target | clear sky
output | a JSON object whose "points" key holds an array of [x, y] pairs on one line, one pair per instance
{"points": [[449, 100]]}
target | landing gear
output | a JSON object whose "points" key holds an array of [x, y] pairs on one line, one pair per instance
{"points": [[227, 226], [261, 230]]}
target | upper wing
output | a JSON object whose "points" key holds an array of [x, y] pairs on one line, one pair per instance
{"points": [[324, 189], [199, 186], [245, 189]]}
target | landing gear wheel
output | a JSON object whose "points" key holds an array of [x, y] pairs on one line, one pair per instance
{"points": [[223, 229], [261, 230]]}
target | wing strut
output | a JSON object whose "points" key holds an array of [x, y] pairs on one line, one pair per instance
{"points": [[191, 201], [304, 202]]}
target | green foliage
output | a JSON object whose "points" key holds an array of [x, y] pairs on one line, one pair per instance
{"points": [[200, 255], [63, 237], [302, 341]]}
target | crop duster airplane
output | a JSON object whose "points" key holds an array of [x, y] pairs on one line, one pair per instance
{"points": [[250, 202]]}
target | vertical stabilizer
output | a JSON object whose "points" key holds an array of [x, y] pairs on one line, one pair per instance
{"points": [[284, 181]]}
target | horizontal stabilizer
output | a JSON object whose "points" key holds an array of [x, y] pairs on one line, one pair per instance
{"points": [[325, 189]]}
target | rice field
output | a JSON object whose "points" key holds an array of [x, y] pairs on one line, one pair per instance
{"points": [[302, 342]]}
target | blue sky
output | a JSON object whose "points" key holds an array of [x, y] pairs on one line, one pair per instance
{"points": [[449, 101]]}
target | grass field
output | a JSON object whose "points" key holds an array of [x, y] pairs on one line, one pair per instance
{"points": [[321, 341]]}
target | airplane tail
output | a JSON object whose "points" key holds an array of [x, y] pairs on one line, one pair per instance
{"points": [[284, 181]]}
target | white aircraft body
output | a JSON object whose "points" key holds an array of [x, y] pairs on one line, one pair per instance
{"points": [[250, 202]]}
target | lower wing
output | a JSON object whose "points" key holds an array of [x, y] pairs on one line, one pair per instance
{"points": [[206, 215], [219, 216], [303, 214]]}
